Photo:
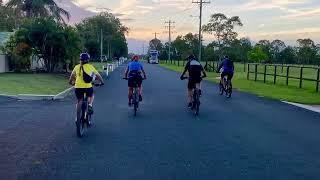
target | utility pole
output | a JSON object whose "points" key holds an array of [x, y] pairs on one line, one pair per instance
{"points": [[200, 2], [170, 23], [155, 35], [101, 44]]}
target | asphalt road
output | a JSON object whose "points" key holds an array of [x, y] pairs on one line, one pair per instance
{"points": [[246, 137]]}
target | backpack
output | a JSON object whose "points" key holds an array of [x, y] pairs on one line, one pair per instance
{"points": [[86, 77]]}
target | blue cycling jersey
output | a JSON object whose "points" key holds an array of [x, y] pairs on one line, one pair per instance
{"points": [[227, 66], [135, 66]]}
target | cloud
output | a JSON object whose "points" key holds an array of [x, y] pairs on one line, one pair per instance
{"points": [[145, 7], [283, 5], [311, 13]]}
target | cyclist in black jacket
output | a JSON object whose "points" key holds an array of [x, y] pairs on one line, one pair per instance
{"points": [[194, 69]]}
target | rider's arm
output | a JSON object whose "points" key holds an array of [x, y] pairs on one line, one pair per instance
{"points": [[72, 78], [185, 69], [126, 72], [99, 77], [204, 72], [144, 74], [220, 66]]}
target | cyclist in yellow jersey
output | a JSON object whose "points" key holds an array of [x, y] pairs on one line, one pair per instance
{"points": [[77, 79]]}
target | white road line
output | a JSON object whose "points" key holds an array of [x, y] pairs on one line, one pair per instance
{"points": [[308, 107]]}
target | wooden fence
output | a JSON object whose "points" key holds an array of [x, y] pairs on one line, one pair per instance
{"points": [[301, 73]]}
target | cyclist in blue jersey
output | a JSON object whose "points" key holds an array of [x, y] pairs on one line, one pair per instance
{"points": [[133, 74], [226, 68]]}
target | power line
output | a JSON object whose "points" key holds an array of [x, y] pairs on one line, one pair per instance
{"points": [[201, 2], [170, 26]]}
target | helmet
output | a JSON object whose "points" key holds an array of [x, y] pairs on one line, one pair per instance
{"points": [[135, 57], [84, 57], [226, 57], [191, 57]]}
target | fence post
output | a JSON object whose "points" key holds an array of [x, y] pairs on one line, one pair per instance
{"points": [[248, 71], [288, 70], [255, 72], [275, 74], [318, 76], [301, 72], [265, 73]]}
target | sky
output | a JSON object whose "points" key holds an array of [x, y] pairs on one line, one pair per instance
{"points": [[288, 20]]}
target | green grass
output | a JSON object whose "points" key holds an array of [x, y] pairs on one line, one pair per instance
{"points": [[23, 83], [280, 91]]}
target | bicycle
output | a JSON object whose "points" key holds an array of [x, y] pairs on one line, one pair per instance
{"points": [[225, 86], [84, 118], [135, 97], [196, 99]]}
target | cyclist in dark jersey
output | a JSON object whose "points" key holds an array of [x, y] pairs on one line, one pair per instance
{"points": [[226, 68], [133, 73], [194, 69]]}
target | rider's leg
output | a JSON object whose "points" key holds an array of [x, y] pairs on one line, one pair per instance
{"points": [[79, 94], [198, 86], [90, 100], [190, 92], [78, 108], [140, 89], [130, 92], [140, 92]]}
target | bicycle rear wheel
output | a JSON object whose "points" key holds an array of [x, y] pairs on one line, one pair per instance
{"points": [[80, 123], [196, 102], [229, 90], [221, 89]]}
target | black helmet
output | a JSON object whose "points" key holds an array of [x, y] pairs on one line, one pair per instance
{"points": [[191, 57], [84, 57]]}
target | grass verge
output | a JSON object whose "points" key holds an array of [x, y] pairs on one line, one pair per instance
{"points": [[25, 83], [279, 91]]}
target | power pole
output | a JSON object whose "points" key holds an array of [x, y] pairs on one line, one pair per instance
{"points": [[170, 23], [201, 2], [101, 44], [155, 35]]}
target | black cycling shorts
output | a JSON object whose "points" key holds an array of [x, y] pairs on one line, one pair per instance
{"points": [[229, 74], [135, 81], [193, 81], [81, 91]]}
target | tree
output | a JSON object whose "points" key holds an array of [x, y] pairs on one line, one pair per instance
{"points": [[306, 51], [288, 55], [277, 46], [8, 18], [265, 45], [257, 55], [155, 44], [40, 8], [185, 45], [44, 38], [222, 28], [113, 33]]}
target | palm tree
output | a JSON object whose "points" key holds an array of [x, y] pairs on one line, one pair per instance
{"points": [[40, 8]]}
